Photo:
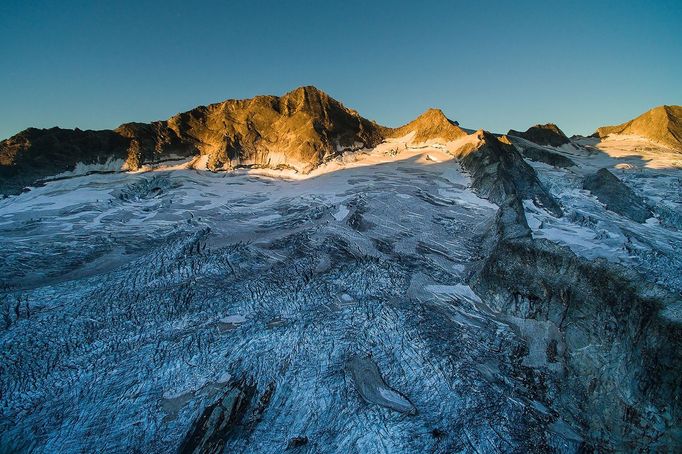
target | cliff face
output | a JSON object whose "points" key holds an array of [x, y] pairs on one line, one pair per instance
{"points": [[300, 130], [611, 354], [531, 151], [602, 326], [661, 124]]}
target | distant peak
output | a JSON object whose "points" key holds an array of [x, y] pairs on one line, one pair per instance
{"points": [[549, 126], [309, 99], [673, 111], [667, 108], [543, 134], [430, 125], [662, 124], [432, 112], [435, 115], [486, 136]]}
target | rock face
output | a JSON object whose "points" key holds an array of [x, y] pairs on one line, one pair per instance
{"points": [[616, 196], [234, 415], [662, 124], [499, 172], [431, 125], [622, 369], [299, 130], [547, 134]]}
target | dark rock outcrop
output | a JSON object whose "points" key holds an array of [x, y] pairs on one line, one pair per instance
{"points": [[616, 196], [234, 415], [217, 422], [499, 172], [547, 134], [662, 124], [297, 442], [546, 156], [150, 143]]}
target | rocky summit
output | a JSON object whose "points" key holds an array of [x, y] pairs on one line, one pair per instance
{"points": [[432, 125], [547, 134], [280, 274], [662, 124]]}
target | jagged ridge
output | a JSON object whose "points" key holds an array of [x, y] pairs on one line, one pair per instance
{"points": [[300, 130], [499, 172]]}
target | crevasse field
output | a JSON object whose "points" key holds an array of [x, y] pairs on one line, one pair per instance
{"points": [[132, 300]]}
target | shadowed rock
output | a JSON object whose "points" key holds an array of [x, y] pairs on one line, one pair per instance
{"points": [[37, 153], [546, 156], [547, 134], [211, 430], [297, 442], [373, 389], [234, 415], [498, 172], [608, 320], [616, 196]]}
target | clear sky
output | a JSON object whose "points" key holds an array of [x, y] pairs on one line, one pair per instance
{"points": [[490, 64]]}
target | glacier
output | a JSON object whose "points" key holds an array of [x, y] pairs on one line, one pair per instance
{"points": [[184, 309]]}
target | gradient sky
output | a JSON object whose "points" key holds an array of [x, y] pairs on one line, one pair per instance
{"points": [[490, 64]]}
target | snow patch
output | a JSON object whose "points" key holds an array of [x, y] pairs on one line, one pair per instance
{"points": [[394, 397], [111, 165], [233, 319], [461, 291], [341, 213]]}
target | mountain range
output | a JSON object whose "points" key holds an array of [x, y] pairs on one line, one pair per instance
{"points": [[299, 130]]}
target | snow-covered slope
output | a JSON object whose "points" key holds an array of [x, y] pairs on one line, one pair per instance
{"points": [[591, 229]]}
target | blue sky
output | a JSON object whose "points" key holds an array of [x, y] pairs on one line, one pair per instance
{"points": [[493, 65]]}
